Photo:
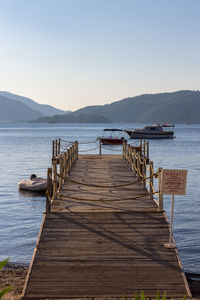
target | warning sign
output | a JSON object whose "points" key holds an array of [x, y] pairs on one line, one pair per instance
{"points": [[173, 182]]}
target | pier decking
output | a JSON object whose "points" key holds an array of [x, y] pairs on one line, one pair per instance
{"points": [[103, 237]]}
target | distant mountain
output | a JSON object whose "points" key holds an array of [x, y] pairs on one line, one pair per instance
{"points": [[43, 109], [71, 118], [12, 110], [176, 107]]}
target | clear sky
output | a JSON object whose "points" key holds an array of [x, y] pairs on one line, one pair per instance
{"points": [[74, 53]]}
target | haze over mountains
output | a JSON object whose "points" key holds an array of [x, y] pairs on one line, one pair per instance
{"points": [[176, 107], [18, 108]]}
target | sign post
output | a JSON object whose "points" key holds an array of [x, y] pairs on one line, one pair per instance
{"points": [[171, 244], [173, 182]]}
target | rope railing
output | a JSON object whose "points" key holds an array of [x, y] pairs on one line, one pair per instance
{"points": [[80, 143], [104, 186], [89, 142], [60, 146], [88, 150], [104, 200], [66, 141], [115, 150]]}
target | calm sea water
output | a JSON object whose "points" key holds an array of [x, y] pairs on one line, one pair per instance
{"points": [[26, 149]]}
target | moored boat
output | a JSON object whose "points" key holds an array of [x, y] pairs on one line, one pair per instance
{"points": [[112, 140], [37, 184], [151, 132]]}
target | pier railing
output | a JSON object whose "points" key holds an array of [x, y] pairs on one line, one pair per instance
{"points": [[64, 155], [137, 157], [62, 163]]}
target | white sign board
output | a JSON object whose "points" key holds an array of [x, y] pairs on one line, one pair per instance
{"points": [[173, 182]]}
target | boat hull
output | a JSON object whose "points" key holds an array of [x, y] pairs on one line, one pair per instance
{"points": [[109, 141], [37, 185], [141, 135]]}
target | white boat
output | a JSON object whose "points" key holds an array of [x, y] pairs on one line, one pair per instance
{"points": [[37, 184], [151, 132]]}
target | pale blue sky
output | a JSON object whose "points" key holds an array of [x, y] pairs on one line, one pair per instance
{"points": [[73, 53]]}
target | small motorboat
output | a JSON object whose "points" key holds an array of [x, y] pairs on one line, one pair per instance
{"points": [[112, 140], [151, 132], [37, 184]]}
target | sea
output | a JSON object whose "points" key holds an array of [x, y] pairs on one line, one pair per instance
{"points": [[26, 148]]}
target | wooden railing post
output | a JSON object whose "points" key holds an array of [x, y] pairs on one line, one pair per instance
{"points": [[65, 164], [125, 151], [134, 161], [60, 169], [138, 166], [141, 145], [53, 152], [160, 200], [68, 161], [49, 190], [59, 146], [144, 148], [151, 179], [148, 150], [132, 167], [144, 172], [56, 147], [71, 157], [99, 146], [129, 155], [76, 149], [55, 178], [72, 154]]}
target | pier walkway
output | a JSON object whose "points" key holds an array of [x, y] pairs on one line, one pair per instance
{"points": [[102, 234]]}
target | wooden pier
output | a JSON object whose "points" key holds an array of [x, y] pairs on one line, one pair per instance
{"points": [[103, 232]]}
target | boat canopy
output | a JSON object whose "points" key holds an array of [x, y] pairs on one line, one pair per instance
{"points": [[168, 125], [113, 129]]}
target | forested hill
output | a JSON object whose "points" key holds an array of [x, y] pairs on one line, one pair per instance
{"points": [[176, 107]]}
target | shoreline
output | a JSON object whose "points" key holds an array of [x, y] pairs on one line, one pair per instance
{"points": [[14, 274]]}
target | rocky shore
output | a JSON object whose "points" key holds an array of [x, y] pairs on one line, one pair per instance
{"points": [[14, 275]]}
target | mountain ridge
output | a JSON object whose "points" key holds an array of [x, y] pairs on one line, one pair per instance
{"points": [[171, 107], [43, 109], [71, 118]]}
